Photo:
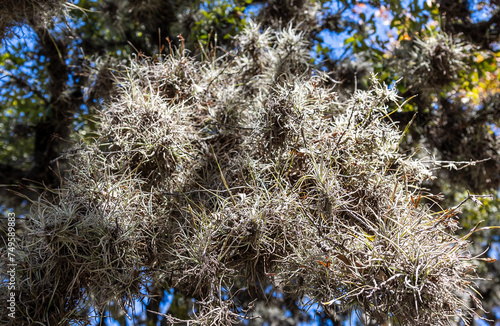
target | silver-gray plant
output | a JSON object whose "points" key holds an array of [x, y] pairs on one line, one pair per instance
{"points": [[235, 173]]}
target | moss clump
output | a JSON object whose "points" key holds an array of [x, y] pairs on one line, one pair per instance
{"points": [[241, 172]]}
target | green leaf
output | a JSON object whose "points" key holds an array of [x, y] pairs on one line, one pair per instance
{"points": [[350, 40]]}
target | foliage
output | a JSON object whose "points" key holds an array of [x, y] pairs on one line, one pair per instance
{"points": [[220, 19]]}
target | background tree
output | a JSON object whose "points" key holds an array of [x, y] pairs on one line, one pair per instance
{"points": [[446, 50]]}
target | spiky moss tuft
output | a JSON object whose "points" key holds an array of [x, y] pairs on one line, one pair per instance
{"points": [[237, 173], [432, 61]]}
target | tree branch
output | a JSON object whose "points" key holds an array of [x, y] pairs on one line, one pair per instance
{"points": [[23, 84], [482, 33]]}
